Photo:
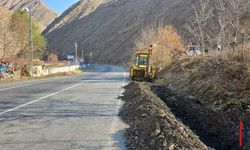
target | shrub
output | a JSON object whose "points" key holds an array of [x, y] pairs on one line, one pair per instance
{"points": [[167, 44]]}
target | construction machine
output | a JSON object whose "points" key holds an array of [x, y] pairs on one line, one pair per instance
{"points": [[193, 50], [142, 68]]}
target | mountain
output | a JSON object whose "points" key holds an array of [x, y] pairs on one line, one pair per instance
{"points": [[41, 12], [5, 12], [109, 31], [109, 28], [76, 11]]}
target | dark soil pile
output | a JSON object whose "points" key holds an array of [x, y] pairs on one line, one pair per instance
{"points": [[152, 124]]}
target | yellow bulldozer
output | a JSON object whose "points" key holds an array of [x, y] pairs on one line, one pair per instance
{"points": [[142, 69]]}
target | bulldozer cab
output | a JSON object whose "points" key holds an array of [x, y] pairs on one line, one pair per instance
{"points": [[142, 70], [141, 60]]}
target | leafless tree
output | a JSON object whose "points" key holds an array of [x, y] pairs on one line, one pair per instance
{"points": [[5, 39], [19, 28], [234, 9], [197, 23], [222, 22], [146, 36]]}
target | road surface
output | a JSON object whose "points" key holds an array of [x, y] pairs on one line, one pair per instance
{"points": [[70, 112]]}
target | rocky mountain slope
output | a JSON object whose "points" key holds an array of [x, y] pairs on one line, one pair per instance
{"points": [[4, 12], [76, 11], [42, 13], [110, 30]]}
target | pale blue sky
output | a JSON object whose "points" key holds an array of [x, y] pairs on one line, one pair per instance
{"points": [[59, 5]]}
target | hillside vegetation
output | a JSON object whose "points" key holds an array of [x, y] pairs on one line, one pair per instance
{"points": [[14, 40], [42, 13], [220, 77]]}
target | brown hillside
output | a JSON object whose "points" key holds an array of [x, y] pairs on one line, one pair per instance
{"points": [[110, 30], [43, 14], [5, 12], [76, 11]]}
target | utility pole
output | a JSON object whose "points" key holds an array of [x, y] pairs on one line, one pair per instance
{"points": [[31, 54], [82, 60], [31, 43], [76, 53], [90, 55], [82, 54]]}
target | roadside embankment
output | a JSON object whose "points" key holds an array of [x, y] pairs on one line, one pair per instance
{"points": [[214, 126], [210, 93], [152, 124]]}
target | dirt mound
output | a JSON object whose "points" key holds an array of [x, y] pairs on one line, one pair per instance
{"points": [[212, 95], [217, 127], [152, 125]]}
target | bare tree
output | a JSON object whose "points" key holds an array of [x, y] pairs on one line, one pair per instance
{"points": [[146, 37], [197, 23], [192, 28], [234, 9], [19, 27], [5, 39], [222, 22]]}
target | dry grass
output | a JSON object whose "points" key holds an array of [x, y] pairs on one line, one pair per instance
{"points": [[38, 62], [92, 6], [218, 77], [220, 84]]}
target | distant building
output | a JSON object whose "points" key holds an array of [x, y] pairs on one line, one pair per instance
{"points": [[70, 58]]}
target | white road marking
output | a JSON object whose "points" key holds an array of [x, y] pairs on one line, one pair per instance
{"points": [[13, 87], [34, 101], [35, 82]]}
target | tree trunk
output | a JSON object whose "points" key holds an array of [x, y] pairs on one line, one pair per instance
{"points": [[4, 47]]}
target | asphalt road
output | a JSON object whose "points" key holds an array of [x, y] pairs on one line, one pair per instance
{"points": [[70, 112]]}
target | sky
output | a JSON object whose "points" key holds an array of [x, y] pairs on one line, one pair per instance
{"points": [[59, 5]]}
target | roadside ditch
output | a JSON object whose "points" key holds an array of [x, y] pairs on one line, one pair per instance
{"points": [[214, 125]]}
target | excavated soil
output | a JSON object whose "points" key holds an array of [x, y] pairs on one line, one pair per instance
{"points": [[152, 124], [217, 127], [210, 94]]}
